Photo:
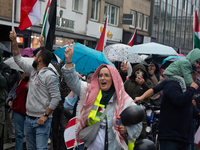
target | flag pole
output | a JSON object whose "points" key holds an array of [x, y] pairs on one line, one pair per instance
{"points": [[13, 9], [44, 20]]}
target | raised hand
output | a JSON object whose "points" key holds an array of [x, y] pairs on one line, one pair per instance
{"points": [[13, 36], [124, 67], [41, 39], [69, 53]]}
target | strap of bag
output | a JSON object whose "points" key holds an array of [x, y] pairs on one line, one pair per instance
{"points": [[93, 135]]}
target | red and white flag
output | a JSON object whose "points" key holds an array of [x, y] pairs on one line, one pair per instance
{"points": [[133, 39], [103, 37], [30, 13], [70, 133]]}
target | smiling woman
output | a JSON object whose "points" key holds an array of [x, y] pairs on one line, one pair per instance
{"points": [[105, 91]]}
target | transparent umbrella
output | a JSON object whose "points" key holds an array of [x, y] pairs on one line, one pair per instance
{"points": [[118, 52]]}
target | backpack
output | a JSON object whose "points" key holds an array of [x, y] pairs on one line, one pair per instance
{"points": [[11, 75]]}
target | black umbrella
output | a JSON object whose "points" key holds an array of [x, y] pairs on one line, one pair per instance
{"points": [[6, 51], [167, 61], [155, 58]]}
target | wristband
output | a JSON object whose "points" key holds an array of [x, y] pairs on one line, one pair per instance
{"points": [[69, 62]]}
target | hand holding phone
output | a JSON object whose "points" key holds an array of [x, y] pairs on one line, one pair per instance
{"points": [[139, 74]]}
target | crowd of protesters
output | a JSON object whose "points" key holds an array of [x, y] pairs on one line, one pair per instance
{"points": [[42, 102]]}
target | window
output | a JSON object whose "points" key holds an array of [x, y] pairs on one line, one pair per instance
{"points": [[139, 21], [63, 3], [112, 12], [95, 10], [134, 18], [77, 5], [146, 23]]}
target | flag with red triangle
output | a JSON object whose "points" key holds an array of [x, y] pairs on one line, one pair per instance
{"points": [[30, 13], [133, 39], [103, 37], [196, 30], [49, 24]]}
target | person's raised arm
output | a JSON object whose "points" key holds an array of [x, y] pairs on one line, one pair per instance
{"points": [[151, 91], [41, 39], [26, 67], [147, 94], [13, 37], [68, 55]]}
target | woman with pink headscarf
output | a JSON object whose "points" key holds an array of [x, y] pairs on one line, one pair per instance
{"points": [[107, 81]]}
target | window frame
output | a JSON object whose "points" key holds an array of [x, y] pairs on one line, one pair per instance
{"points": [[116, 14], [73, 5], [145, 24], [64, 2], [97, 2], [133, 18], [139, 27]]}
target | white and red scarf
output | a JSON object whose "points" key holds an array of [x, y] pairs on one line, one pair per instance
{"points": [[91, 94]]}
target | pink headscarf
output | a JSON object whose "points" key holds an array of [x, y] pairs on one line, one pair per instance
{"points": [[91, 94]]}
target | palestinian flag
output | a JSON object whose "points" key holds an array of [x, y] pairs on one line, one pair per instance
{"points": [[49, 24], [133, 39], [30, 13], [103, 38], [196, 30]]}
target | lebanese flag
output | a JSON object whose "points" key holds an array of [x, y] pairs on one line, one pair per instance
{"points": [[70, 133], [103, 37], [30, 13], [49, 24], [133, 39], [196, 30]]}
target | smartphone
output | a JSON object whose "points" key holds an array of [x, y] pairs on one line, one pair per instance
{"points": [[139, 74]]}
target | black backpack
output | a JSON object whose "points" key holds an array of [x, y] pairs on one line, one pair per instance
{"points": [[11, 75]]}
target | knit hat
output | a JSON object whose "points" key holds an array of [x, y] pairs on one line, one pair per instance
{"points": [[157, 67]]}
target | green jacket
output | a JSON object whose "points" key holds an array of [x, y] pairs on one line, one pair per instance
{"points": [[183, 66], [133, 88]]}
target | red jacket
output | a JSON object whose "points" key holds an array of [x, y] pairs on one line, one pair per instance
{"points": [[19, 103]]}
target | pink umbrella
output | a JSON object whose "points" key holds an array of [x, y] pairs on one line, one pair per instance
{"points": [[27, 52]]}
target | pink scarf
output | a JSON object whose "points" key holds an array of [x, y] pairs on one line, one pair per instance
{"points": [[91, 94]]}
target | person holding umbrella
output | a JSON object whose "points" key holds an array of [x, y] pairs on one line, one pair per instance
{"points": [[105, 91]]}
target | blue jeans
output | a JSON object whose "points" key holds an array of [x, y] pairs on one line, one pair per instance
{"points": [[36, 135], [174, 145], [19, 129]]}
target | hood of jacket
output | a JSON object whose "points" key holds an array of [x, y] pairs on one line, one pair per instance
{"points": [[139, 66], [193, 55]]}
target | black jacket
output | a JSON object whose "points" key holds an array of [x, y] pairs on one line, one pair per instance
{"points": [[177, 113]]}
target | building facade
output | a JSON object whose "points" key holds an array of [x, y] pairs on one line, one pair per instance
{"points": [[140, 10], [172, 23]]}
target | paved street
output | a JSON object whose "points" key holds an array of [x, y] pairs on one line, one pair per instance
{"points": [[11, 146]]}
